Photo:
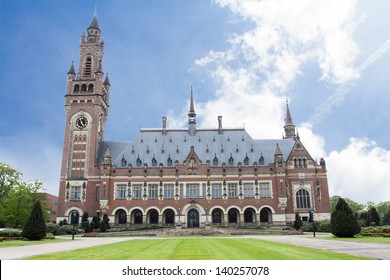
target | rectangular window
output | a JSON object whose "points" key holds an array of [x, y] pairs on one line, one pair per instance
{"points": [[97, 193], [216, 190], [168, 191], [232, 189], [153, 191], [181, 190], [120, 191], [137, 191], [192, 190], [265, 190], [76, 193], [248, 189]]}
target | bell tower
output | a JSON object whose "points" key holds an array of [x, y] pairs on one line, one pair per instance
{"points": [[86, 106]]}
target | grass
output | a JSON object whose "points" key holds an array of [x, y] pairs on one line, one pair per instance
{"points": [[11, 243], [204, 248]]}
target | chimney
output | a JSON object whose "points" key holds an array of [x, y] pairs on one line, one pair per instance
{"points": [[164, 125], [220, 124]]}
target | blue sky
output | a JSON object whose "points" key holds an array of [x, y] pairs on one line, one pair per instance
{"points": [[242, 58]]}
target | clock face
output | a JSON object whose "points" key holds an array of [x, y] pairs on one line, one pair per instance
{"points": [[81, 122]]}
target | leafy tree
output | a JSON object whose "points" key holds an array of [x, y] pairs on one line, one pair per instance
{"points": [[386, 219], [35, 228], [372, 217], [9, 178], [20, 202], [343, 220], [298, 221], [355, 206]]}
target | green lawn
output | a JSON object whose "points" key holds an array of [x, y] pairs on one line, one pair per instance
{"points": [[10, 243], [203, 248]]}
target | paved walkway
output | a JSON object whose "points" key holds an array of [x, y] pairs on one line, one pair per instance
{"points": [[371, 250]]}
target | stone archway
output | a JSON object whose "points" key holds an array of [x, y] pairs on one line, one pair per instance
{"points": [[193, 218], [266, 215]]}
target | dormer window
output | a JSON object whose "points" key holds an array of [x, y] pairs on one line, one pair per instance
{"points": [[231, 160], [261, 160], [246, 160], [169, 161], [139, 162], [154, 161], [215, 160], [123, 161]]}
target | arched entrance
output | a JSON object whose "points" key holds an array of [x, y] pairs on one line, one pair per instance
{"points": [[265, 215], [121, 216], [249, 216], [216, 216], [138, 217], [233, 216], [193, 218], [74, 217], [169, 217], [153, 217]]}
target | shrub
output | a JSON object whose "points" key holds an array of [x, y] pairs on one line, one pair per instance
{"points": [[2, 239], [343, 220], [324, 226], [54, 229], [298, 221], [35, 227], [103, 226], [95, 222], [49, 236], [10, 233]]}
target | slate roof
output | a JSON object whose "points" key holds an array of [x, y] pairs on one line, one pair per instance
{"points": [[152, 147]]}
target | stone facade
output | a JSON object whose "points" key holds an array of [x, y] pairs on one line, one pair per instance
{"points": [[187, 177]]}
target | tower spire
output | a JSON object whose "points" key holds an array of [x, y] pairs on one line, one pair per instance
{"points": [[289, 127], [192, 116]]}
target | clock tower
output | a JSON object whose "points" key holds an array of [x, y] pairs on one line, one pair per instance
{"points": [[86, 106]]}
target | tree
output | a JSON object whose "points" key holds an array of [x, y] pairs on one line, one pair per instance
{"points": [[9, 178], [85, 223], [35, 228], [372, 217], [106, 220], [298, 221], [386, 219], [343, 221], [95, 222], [355, 206], [20, 201]]}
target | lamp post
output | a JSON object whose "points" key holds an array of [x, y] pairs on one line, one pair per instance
{"points": [[311, 219], [73, 220], [207, 214]]}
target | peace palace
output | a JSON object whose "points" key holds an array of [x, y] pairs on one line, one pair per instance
{"points": [[184, 178]]}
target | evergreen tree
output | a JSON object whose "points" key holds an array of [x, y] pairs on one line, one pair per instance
{"points": [[372, 217], [103, 227], [35, 228], [106, 220], [298, 221], [386, 219], [343, 220], [85, 223]]}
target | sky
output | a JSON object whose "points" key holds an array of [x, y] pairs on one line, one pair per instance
{"points": [[243, 59]]}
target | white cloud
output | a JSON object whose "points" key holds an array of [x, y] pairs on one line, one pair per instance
{"points": [[360, 171]]}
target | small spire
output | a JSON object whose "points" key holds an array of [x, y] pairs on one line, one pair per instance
{"points": [[94, 23], [288, 119], [278, 152], [192, 110], [107, 81], [71, 70]]}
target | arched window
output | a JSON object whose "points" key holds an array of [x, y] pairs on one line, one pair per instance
{"points": [[88, 67], [169, 161], [121, 216], [303, 199], [215, 160], [76, 88], [90, 88], [138, 217], [246, 160], [231, 160], [139, 162], [216, 216], [261, 160], [83, 88]]}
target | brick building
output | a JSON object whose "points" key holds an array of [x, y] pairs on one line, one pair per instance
{"points": [[191, 176]]}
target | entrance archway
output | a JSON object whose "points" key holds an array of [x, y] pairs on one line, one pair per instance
{"points": [[216, 216], [233, 216], [169, 217], [138, 217], [248, 216], [265, 215], [121, 216], [193, 218], [153, 217]]}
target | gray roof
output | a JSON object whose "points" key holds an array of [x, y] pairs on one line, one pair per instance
{"points": [[208, 144]]}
